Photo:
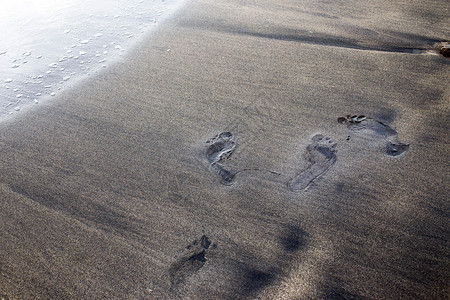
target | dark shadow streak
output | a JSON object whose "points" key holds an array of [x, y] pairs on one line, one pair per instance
{"points": [[327, 40], [317, 39], [105, 218]]}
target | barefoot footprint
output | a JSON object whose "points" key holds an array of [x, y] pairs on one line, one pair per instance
{"points": [[361, 123], [191, 262], [222, 148], [321, 155]]}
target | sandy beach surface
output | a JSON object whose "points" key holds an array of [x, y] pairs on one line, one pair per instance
{"points": [[211, 164]]}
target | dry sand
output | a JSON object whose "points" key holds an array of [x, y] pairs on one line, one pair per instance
{"points": [[117, 190]]}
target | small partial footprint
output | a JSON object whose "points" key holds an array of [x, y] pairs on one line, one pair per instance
{"points": [[191, 262], [321, 155], [361, 124], [396, 149], [183, 189], [221, 148]]}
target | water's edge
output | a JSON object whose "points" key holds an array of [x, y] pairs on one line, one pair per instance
{"points": [[53, 49]]}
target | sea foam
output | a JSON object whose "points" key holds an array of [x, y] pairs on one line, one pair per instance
{"points": [[45, 45]]}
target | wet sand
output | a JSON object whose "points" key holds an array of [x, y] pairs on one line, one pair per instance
{"points": [[211, 163]]}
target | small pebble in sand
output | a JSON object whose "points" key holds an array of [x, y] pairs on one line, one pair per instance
{"points": [[445, 51]]}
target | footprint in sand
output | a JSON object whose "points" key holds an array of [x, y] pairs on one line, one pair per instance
{"points": [[184, 189], [321, 155], [363, 124], [191, 262], [396, 149], [221, 148]]}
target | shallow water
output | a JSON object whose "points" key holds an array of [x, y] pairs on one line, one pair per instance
{"points": [[46, 44]]}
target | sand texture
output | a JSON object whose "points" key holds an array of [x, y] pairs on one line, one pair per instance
{"points": [[211, 163]]}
